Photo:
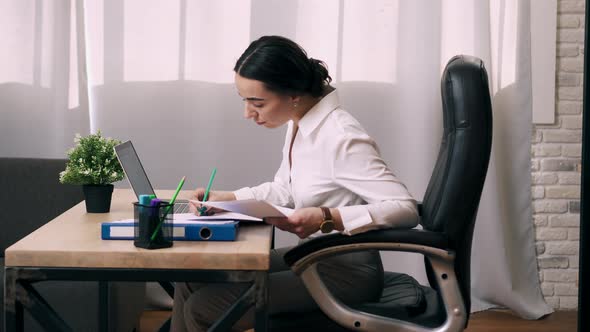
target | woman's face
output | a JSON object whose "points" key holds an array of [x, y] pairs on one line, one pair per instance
{"points": [[265, 107]]}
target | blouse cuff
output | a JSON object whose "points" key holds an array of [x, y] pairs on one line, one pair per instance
{"points": [[354, 217], [244, 193]]}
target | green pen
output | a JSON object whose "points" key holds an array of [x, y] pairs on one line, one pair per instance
{"points": [[203, 209], [168, 208]]}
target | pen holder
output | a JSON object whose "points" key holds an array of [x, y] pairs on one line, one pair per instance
{"points": [[153, 225]]}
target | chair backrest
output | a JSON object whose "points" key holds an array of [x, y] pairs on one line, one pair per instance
{"points": [[32, 196], [453, 193]]}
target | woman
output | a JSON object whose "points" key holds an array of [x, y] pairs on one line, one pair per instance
{"points": [[331, 174]]}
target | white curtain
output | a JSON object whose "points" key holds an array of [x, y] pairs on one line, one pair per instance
{"points": [[160, 74]]}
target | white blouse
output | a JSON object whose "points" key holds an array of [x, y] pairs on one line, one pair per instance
{"points": [[336, 164]]}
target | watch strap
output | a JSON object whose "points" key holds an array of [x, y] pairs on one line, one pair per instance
{"points": [[326, 212]]}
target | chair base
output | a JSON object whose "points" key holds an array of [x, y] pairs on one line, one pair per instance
{"points": [[402, 298]]}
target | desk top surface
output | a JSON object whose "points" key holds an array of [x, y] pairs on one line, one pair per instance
{"points": [[73, 240]]}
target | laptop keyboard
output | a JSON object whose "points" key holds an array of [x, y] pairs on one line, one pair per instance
{"points": [[181, 208]]}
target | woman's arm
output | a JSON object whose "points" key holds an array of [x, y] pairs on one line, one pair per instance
{"points": [[359, 168]]}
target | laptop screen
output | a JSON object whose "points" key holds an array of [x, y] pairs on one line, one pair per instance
{"points": [[133, 169]]}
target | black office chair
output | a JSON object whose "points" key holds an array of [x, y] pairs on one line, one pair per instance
{"points": [[448, 215]]}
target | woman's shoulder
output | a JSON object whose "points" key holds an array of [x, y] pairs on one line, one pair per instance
{"points": [[345, 124]]}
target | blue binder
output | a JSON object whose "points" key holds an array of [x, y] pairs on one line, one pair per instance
{"points": [[181, 231]]}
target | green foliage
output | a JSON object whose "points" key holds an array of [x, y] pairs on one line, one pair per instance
{"points": [[92, 161]]}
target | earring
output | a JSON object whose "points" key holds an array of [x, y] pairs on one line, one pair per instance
{"points": [[295, 105]]}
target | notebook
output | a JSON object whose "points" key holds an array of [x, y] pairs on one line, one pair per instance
{"points": [[137, 177]]}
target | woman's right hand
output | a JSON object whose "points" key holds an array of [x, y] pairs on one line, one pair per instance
{"points": [[214, 195]]}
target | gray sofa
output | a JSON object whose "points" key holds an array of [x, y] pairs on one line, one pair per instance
{"points": [[32, 196]]}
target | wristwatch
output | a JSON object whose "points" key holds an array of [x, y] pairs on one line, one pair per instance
{"points": [[327, 225]]}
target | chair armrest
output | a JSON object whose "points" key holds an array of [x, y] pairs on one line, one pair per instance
{"points": [[420, 207], [304, 260], [400, 236]]}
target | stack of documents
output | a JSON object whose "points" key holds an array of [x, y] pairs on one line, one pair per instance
{"points": [[218, 227]]}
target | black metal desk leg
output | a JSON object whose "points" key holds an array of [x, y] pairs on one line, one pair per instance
{"points": [[103, 306], [236, 310], [261, 319], [41, 311], [13, 308]]}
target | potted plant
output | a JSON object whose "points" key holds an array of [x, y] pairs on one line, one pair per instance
{"points": [[93, 164]]}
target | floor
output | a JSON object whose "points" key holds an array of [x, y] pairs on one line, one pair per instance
{"points": [[496, 321], [487, 321]]}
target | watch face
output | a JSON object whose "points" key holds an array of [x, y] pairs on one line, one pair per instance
{"points": [[327, 226]]}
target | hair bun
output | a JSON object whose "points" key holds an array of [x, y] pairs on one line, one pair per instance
{"points": [[320, 76]]}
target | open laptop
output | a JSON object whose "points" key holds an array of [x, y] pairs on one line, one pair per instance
{"points": [[138, 178]]}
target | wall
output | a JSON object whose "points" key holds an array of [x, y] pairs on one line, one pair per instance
{"points": [[556, 158]]}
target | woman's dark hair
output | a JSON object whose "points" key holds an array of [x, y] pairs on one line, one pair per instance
{"points": [[283, 66]]}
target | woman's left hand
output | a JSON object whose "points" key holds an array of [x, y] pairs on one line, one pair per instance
{"points": [[303, 222]]}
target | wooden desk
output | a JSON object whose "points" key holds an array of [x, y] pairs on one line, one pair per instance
{"points": [[69, 248]]}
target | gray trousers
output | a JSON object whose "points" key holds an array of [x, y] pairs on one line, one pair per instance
{"points": [[353, 278]]}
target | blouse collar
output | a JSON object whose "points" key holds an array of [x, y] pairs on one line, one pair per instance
{"points": [[312, 119]]}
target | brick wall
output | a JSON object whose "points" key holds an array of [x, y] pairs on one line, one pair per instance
{"points": [[556, 157]]}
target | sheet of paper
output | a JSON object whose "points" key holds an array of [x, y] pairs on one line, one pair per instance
{"points": [[286, 211], [250, 207], [190, 221], [125, 221], [217, 216], [200, 222]]}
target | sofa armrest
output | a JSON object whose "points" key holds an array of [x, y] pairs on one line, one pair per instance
{"points": [[36, 196]]}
